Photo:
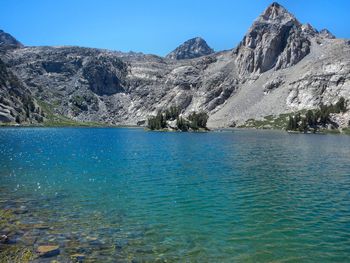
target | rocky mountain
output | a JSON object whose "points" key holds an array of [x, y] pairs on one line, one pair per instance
{"points": [[16, 102], [193, 48], [325, 33], [8, 41], [275, 40], [280, 66]]}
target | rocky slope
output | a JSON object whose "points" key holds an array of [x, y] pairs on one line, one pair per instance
{"points": [[280, 66], [17, 104]]}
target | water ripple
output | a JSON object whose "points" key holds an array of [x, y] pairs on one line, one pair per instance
{"points": [[251, 196]]}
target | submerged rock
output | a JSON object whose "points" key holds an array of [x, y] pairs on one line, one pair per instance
{"points": [[48, 251], [77, 257], [21, 210], [4, 239], [41, 226]]}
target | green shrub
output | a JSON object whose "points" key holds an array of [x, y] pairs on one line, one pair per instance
{"points": [[198, 120], [157, 122], [172, 113], [319, 117], [182, 124], [195, 120]]}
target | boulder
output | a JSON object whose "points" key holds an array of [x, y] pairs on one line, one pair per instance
{"points": [[48, 251]]}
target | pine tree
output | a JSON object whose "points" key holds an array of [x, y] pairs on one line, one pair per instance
{"points": [[182, 124], [303, 126], [290, 125], [340, 106], [198, 119], [310, 118]]}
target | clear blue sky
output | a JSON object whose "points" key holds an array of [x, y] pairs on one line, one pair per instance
{"points": [[154, 26]]}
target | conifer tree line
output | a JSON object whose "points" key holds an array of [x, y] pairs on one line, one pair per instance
{"points": [[315, 118], [194, 121]]}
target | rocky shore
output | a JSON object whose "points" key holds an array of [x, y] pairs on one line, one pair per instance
{"points": [[26, 237]]}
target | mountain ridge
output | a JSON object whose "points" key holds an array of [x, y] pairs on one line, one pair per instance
{"points": [[279, 66]]}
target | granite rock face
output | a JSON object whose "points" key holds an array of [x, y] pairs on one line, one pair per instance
{"points": [[105, 76], [280, 66], [276, 40], [326, 33], [16, 102], [193, 48]]}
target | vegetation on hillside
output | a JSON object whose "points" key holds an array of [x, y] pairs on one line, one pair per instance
{"points": [[195, 121], [268, 122], [56, 120], [304, 120], [314, 119]]}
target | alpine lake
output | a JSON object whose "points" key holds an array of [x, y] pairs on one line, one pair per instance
{"points": [[129, 195]]}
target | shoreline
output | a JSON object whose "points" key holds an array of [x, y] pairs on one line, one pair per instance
{"points": [[344, 131]]}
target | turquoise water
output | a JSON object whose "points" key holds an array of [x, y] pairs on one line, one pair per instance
{"points": [[130, 195]]}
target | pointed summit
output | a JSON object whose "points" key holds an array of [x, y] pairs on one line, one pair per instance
{"points": [[275, 40], [276, 12], [193, 48], [273, 11]]}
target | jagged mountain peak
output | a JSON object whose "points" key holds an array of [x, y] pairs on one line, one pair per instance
{"points": [[232, 86], [8, 41], [276, 13], [192, 48], [275, 40]]}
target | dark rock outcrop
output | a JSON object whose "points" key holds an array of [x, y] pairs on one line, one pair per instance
{"points": [[326, 33], [105, 75], [16, 102], [8, 41], [193, 48]]}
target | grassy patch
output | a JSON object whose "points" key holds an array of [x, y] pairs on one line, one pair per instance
{"points": [[269, 122], [55, 120], [280, 123], [331, 131], [346, 131], [7, 124]]}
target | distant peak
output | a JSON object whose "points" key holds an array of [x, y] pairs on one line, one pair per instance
{"points": [[196, 40], [8, 41], [192, 48]]}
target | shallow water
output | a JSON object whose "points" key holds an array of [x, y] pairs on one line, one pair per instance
{"points": [[126, 194]]}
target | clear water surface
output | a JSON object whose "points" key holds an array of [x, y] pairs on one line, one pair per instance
{"points": [[129, 195]]}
